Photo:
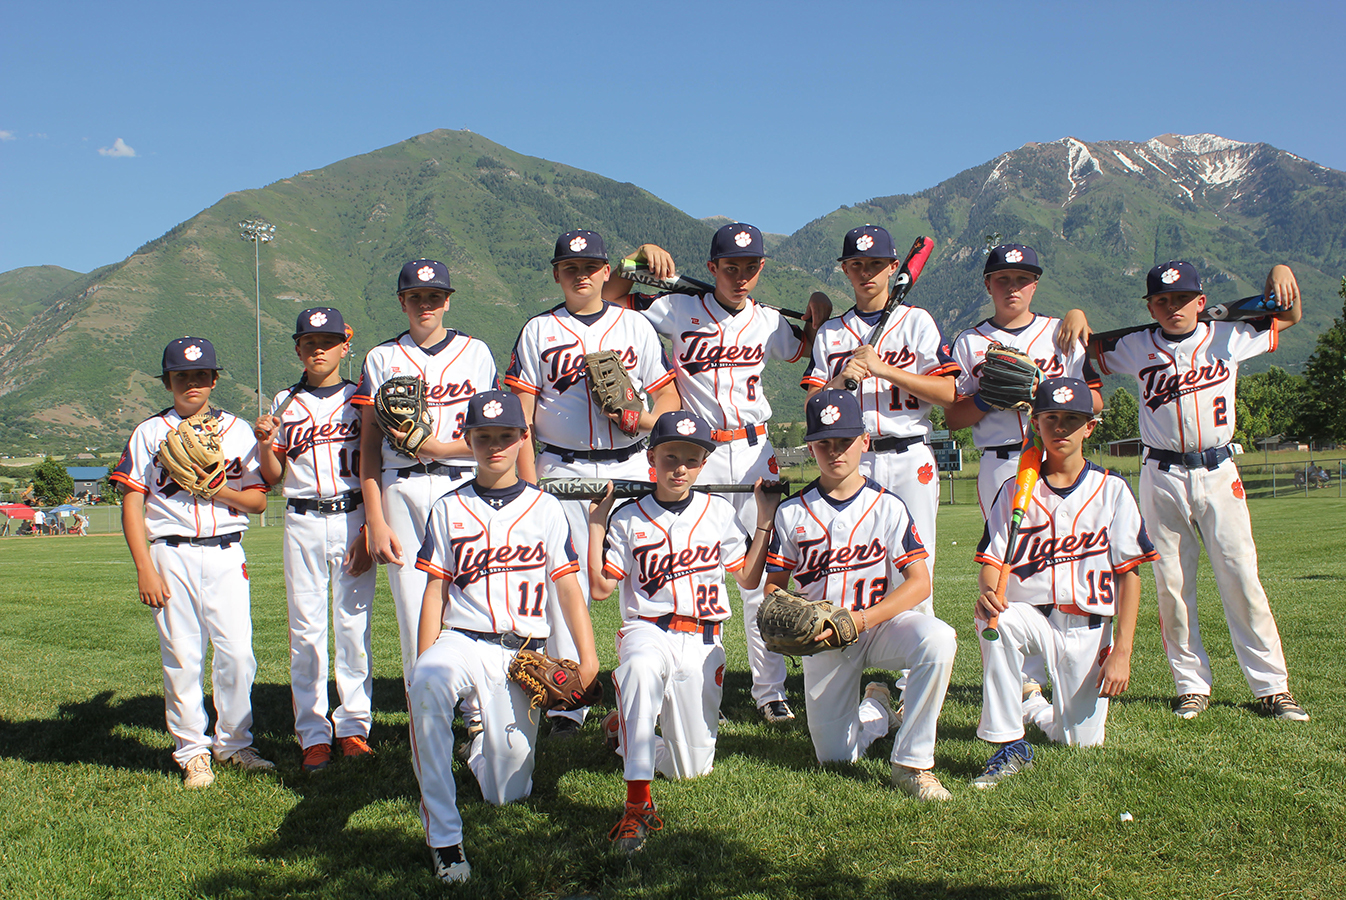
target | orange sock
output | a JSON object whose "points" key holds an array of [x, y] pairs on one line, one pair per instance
{"points": [[638, 792]]}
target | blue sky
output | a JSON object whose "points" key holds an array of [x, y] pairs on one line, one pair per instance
{"points": [[120, 120]]}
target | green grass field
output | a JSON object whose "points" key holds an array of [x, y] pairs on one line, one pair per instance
{"points": [[1228, 805]]}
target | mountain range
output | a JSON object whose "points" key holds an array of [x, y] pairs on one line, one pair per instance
{"points": [[80, 353]]}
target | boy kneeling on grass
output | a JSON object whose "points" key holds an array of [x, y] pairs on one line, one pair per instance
{"points": [[1073, 570]]}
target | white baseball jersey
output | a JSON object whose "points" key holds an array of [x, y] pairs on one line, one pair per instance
{"points": [[1072, 542], [454, 369], [1037, 339], [719, 354], [500, 565], [548, 362], [674, 562], [170, 510], [911, 341], [1187, 386], [319, 436], [848, 553]]}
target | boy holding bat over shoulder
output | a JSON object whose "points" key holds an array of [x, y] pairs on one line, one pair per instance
{"points": [[1072, 578], [1190, 490], [850, 542], [667, 553], [498, 559], [721, 344]]}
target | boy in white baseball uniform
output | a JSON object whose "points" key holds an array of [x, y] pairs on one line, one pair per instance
{"points": [[398, 489], [1072, 595], [668, 553], [849, 541], [1011, 276], [1190, 489], [580, 440], [721, 344], [191, 570], [901, 377], [496, 551], [311, 439]]}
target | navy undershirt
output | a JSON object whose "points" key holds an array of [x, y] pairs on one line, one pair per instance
{"points": [[590, 318], [676, 506], [499, 498]]}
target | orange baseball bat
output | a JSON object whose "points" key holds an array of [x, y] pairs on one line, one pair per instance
{"points": [[1030, 464]]}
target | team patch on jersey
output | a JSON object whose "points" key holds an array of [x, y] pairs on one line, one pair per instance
{"points": [[916, 534], [926, 473], [458, 525], [640, 534], [1238, 488]]}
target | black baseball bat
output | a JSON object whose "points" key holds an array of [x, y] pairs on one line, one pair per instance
{"points": [[640, 274], [1254, 307], [597, 488], [906, 277]]}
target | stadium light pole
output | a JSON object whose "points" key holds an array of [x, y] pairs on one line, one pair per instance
{"points": [[259, 233]]}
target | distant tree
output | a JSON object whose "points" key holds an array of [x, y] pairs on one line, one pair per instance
{"points": [[1121, 419], [1322, 408], [52, 484], [1268, 403]]}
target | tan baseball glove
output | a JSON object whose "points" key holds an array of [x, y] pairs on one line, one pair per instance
{"points": [[192, 456], [400, 404], [612, 390]]}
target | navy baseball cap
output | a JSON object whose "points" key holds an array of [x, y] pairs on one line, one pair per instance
{"points": [[737, 239], [424, 273], [579, 245], [1064, 395], [320, 320], [867, 240], [188, 353], [833, 414], [499, 408], [1012, 256], [680, 425], [1172, 277]]}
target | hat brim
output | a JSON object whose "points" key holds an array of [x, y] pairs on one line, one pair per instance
{"points": [[561, 259], [1036, 270], [708, 446], [839, 432]]}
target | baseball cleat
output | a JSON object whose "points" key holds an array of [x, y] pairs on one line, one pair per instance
{"points": [[246, 759], [636, 823], [564, 728], [464, 748], [316, 758], [919, 783], [354, 746], [1189, 706], [197, 772], [879, 693], [1010, 758], [450, 863], [611, 730], [1281, 706], [776, 712]]}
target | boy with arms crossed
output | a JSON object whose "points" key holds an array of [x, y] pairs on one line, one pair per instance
{"points": [[1073, 576], [1190, 489], [495, 551], [398, 488], [311, 439], [668, 553], [849, 541], [579, 440], [190, 567], [721, 344]]}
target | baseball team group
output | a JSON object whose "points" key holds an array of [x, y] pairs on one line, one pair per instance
{"points": [[484, 565]]}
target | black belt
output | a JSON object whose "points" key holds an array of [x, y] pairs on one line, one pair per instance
{"points": [[1095, 620], [617, 454], [895, 444], [223, 540], [507, 639], [1004, 451], [343, 503], [434, 468], [1202, 459]]}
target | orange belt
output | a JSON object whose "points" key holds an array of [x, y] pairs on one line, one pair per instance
{"points": [[737, 433], [675, 622]]}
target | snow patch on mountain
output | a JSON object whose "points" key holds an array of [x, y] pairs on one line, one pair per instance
{"points": [[1082, 165], [1126, 161]]}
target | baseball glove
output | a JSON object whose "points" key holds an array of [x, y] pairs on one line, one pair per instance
{"points": [[612, 389], [1008, 378], [400, 404], [192, 456], [789, 623], [552, 683]]}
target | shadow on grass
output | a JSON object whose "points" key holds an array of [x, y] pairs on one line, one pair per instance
{"points": [[83, 732]]}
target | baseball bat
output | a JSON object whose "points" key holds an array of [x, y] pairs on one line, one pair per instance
{"points": [[641, 274], [1030, 464], [597, 488], [1254, 307], [906, 277]]}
